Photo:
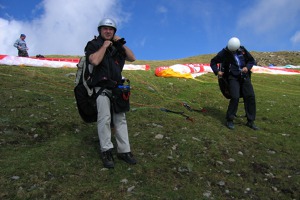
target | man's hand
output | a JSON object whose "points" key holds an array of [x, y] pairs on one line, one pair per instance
{"points": [[220, 73], [107, 43], [116, 38], [245, 70]]}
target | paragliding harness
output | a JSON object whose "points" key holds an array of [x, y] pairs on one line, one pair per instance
{"points": [[224, 86], [120, 97], [86, 96], [224, 82], [120, 93]]}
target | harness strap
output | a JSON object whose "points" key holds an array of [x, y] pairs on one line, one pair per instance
{"points": [[89, 90], [126, 97]]}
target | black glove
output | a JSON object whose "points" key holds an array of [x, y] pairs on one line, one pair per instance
{"points": [[119, 44]]}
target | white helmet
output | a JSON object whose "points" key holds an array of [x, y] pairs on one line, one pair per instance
{"points": [[233, 44], [108, 22]]}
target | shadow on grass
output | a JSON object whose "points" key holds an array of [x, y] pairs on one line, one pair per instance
{"points": [[215, 113]]}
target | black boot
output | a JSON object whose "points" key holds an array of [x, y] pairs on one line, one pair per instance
{"points": [[230, 124], [251, 125], [127, 157], [107, 159]]}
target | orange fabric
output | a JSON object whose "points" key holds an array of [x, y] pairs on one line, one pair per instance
{"points": [[169, 72]]}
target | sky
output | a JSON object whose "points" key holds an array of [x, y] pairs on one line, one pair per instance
{"points": [[153, 29]]}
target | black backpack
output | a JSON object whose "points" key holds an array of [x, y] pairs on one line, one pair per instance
{"points": [[84, 95]]}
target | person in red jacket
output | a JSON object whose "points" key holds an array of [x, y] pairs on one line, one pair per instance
{"points": [[236, 64]]}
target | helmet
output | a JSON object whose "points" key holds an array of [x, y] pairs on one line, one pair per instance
{"points": [[108, 22], [233, 44]]}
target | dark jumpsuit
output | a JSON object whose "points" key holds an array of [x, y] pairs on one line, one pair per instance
{"points": [[239, 83]]}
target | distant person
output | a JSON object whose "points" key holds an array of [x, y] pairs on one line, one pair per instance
{"points": [[236, 63], [108, 61], [20, 44]]}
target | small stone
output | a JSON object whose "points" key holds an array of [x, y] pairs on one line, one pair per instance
{"points": [[247, 190], [77, 130], [183, 169], [194, 138], [136, 134], [220, 162], [207, 194], [174, 147], [159, 136], [150, 88], [15, 177], [125, 181], [271, 152], [221, 183], [130, 189]]}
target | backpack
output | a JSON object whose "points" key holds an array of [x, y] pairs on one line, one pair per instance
{"points": [[84, 95]]}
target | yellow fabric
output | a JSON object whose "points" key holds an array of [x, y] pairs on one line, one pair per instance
{"points": [[171, 73]]}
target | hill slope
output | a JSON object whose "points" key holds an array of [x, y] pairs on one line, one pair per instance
{"points": [[281, 58], [47, 152]]}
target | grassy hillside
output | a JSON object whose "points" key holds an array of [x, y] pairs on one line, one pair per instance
{"points": [[48, 152], [280, 58]]}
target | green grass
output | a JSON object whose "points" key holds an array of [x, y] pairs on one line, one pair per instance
{"points": [[48, 152]]}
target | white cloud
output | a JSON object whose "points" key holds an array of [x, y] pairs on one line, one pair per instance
{"points": [[63, 28], [295, 39], [270, 15], [143, 42], [162, 9]]}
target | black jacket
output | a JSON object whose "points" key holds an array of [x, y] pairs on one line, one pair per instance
{"points": [[229, 65], [109, 69]]}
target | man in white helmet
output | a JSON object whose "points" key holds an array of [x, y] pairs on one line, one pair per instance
{"points": [[236, 63], [107, 54]]}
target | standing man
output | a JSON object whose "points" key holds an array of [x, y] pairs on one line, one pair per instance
{"points": [[20, 44], [107, 60], [236, 64]]}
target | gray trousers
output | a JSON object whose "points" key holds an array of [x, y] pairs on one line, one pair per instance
{"points": [[104, 126]]}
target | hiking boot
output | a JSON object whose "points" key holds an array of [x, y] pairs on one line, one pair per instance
{"points": [[107, 159], [127, 157], [251, 125], [230, 124]]}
